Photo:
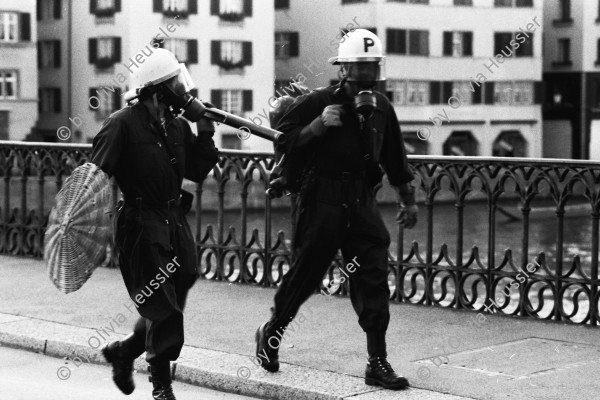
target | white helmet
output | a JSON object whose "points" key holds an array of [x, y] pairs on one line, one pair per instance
{"points": [[160, 66], [359, 45]]}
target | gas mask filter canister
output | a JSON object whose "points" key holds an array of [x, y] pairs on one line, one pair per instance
{"points": [[365, 103]]}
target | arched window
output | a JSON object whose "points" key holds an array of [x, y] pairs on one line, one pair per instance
{"points": [[510, 144], [461, 143]]}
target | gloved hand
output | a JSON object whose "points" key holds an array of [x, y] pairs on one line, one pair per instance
{"points": [[332, 115], [407, 215]]}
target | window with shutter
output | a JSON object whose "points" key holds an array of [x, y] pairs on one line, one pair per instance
{"points": [[8, 85], [232, 10], [286, 44], [49, 54], [49, 9], [231, 55], [231, 101], [397, 89], [179, 47], [462, 91], [176, 8], [9, 26], [47, 100], [104, 8], [417, 93]]}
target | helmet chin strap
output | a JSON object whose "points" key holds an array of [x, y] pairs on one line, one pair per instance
{"points": [[156, 109]]}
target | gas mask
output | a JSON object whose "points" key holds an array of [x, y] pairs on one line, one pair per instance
{"points": [[361, 77]]}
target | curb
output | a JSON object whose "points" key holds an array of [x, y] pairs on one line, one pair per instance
{"points": [[218, 370]]}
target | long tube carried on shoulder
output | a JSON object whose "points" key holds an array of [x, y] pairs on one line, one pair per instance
{"points": [[195, 109]]}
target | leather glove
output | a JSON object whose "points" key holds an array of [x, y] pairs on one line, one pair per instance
{"points": [[407, 215], [332, 115]]}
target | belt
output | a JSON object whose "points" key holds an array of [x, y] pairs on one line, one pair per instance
{"points": [[139, 202], [341, 175]]}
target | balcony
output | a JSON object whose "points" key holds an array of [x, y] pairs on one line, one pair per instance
{"points": [[482, 222]]}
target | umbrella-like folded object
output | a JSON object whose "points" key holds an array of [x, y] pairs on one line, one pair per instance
{"points": [[79, 228]]}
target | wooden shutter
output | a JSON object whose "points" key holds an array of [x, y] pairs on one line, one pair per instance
{"points": [[157, 6], [25, 27], [448, 43], [434, 92], [57, 9], [192, 6], [192, 51], [57, 52], [477, 93], [248, 8], [215, 52], [57, 100], [446, 91], [92, 50], [467, 43], [294, 38], [39, 55], [489, 92], [117, 47], [215, 97], [214, 7], [247, 100], [247, 53], [538, 92]]}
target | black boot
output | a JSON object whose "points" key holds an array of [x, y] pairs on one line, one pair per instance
{"points": [[160, 376], [380, 373], [122, 362], [265, 353]]}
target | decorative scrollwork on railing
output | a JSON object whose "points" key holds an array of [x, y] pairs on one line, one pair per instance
{"points": [[461, 271]]}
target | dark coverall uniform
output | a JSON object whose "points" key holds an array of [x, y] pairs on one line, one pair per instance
{"points": [[339, 211], [151, 229]]}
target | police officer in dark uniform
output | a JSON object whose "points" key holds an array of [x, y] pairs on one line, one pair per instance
{"points": [[149, 151], [343, 134]]}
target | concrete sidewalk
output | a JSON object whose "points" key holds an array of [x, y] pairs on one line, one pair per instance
{"points": [[323, 358]]}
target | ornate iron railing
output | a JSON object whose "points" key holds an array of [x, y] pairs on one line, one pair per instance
{"points": [[474, 192]]}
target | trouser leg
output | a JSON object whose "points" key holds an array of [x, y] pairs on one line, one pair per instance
{"points": [[367, 243], [319, 234], [134, 344]]}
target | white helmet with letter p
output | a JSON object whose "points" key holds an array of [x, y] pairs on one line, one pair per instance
{"points": [[360, 46]]}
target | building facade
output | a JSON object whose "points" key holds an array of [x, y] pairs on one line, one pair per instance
{"points": [[88, 54], [464, 76], [572, 79], [18, 72]]}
